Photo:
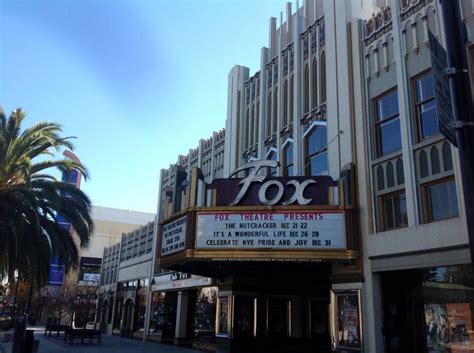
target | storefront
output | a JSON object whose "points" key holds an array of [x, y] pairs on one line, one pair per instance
{"points": [[429, 310], [130, 309], [183, 310], [273, 244]]}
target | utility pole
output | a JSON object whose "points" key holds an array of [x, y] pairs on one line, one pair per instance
{"points": [[462, 105]]}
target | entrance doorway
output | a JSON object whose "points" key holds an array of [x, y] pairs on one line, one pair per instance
{"points": [[127, 318], [282, 310]]}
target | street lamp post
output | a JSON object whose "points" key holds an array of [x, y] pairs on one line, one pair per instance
{"points": [[461, 98]]}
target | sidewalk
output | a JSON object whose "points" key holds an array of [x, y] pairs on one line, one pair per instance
{"points": [[110, 344]]}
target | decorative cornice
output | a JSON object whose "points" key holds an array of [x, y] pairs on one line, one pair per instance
{"points": [[317, 114], [377, 25], [409, 7]]}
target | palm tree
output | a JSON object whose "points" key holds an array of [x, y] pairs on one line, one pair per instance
{"points": [[31, 200]]}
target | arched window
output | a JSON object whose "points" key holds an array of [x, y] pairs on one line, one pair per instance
{"points": [[290, 116], [317, 152], [400, 176], [447, 159], [269, 115], [390, 175], [275, 111], [288, 160], [252, 125], [434, 156], [257, 116], [306, 89], [380, 178], [246, 129], [322, 86], [423, 165], [314, 75], [285, 104]]}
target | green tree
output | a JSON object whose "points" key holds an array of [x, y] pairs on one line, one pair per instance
{"points": [[31, 199]]}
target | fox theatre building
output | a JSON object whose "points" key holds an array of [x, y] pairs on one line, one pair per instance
{"points": [[284, 254]]}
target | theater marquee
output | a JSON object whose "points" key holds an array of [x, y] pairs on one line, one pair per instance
{"points": [[259, 218], [270, 230]]}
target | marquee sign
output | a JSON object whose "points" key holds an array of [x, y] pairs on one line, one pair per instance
{"points": [[258, 189], [173, 236], [305, 230], [258, 218], [178, 280]]}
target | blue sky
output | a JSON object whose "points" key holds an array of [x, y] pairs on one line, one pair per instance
{"points": [[137, 81]]}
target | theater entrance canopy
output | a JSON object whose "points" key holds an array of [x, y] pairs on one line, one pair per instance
{"points": [[234, 224]]}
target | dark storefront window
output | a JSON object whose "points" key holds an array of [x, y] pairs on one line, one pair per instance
{"points": [[157, 313], [118, 312], [319, 322], [205, 315], [429, 310], [278, 317], [223, 316], [244, 316], [163, 315], [140, 311]]}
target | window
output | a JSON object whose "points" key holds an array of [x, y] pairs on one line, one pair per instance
{"points": [[246, 129], [314, 75], [255, 127], [316, 152], [394, 211], [290, 116], [275, 111], [288, 160], [441, 200], [306, 89], [269, 114], [425, 108], [285, 104], [387, 124], [322, 86], [251, 125]]}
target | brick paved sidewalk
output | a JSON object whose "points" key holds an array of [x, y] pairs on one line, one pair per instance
{"points": [[110, 344]]}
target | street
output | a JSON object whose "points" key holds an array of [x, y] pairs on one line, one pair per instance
{"points": [[55, 344]]}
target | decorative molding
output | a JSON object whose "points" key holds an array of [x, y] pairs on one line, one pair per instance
{"points": [[305, 46], [314, 40], [313, 35], [292, 57], [379, 24], [286, 132], [322, 32], [317, 114], [284, 59], [409, 7], [275, 70]]}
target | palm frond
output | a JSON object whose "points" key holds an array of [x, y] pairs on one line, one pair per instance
{"points": [[31, 201]]}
